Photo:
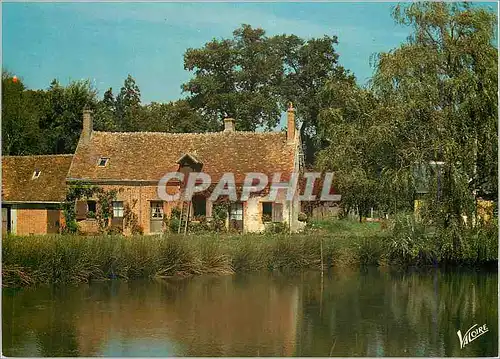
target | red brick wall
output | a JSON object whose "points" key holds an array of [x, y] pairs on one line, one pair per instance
{"points": [[31, 221]]}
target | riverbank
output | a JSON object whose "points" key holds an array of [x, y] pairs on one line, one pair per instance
{"points": [[72, 259]]}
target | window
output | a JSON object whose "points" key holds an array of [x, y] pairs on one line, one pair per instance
{"points": [[36, 174], [117, 209], [157, 210], [91, 209], [267, 211], [272, 212], [236, 211], [103, 161]]}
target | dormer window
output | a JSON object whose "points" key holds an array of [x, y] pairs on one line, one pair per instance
{"points": [[36, 174], [103, 161]]}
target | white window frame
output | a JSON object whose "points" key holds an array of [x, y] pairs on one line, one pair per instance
{"points": [[157, 210], [236, 211], [36, 174], [118, 209], [105, 159]]}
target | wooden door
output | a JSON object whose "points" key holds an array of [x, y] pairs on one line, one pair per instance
{"points": [[53, 221], [5, 220]]}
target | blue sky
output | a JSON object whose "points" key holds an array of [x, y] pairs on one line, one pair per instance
{"points": [[105, 42]]}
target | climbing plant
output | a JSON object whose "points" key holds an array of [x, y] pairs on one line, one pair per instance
{"points": [[105, 208], [131, 220], [80, 190]]}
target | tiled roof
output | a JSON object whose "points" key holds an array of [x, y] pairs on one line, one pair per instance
{"points": [[18, 184], [149, 155]]}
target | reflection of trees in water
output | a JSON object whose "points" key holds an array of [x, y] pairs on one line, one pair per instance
{"points": [[367, 313], [397, 314], [27, 319], [206, 316]]}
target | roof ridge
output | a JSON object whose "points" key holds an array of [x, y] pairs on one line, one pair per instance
{"points": [[26, 156]]}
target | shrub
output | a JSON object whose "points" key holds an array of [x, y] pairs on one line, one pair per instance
{"points": [[276, 228], [409, 243], [369, 250]]}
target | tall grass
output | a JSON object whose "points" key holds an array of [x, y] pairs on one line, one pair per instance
{"points": [[73, 259]]}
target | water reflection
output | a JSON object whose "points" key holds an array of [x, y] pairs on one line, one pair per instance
{"points": [[347, 313]]}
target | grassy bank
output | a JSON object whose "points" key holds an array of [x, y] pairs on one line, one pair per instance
{"points": [[72, 259]]}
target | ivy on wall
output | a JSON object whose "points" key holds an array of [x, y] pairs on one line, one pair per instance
{"points": [[130, 219], [81, 190]]}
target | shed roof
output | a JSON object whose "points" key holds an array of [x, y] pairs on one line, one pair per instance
{"points": [[19, 184]]}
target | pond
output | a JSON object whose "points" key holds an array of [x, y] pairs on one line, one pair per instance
{"points": [[371, 312]]}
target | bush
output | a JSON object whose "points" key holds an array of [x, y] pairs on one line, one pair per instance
{"points": [[115, 230], [410, 243], [276, 228], [369, 250], [201, 225]]}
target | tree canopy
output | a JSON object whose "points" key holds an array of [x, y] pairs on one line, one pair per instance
{"points": [[434, 112]]}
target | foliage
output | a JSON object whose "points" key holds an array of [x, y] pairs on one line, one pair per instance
{"points": [[252, 77], [219, 215], [105, 208], [75, 192], [127, 105], [444, 96], [266, 218], [57, 259], [44, 121], [130, 219], [410, 243], [200, 225], [276, 227], [302, 217], [80, 190], [429, 118]]}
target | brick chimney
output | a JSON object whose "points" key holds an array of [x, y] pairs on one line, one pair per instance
{"points": [[229, 125], [290, 123], [88, 125]]}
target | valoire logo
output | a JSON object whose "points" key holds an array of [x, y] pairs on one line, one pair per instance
{"points": [[471, 334]]}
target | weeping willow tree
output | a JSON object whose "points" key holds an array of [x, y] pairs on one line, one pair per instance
{"points": [[433, 116], [441, 87]]}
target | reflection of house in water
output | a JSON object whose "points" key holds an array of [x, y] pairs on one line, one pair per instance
{"points": [[204, 316]]}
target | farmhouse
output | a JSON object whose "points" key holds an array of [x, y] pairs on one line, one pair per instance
{"points": [[33, 187], [133, 163]]}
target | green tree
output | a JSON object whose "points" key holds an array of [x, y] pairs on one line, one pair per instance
{"points": [[176, 116], [234, 78], [105, 116], [309, 65], [21, 110], [439, 93], [128, 106], [252, 77], [354, 140], [61, 120]]}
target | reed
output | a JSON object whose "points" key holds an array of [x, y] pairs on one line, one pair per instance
{"points": [[73, 259]]}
